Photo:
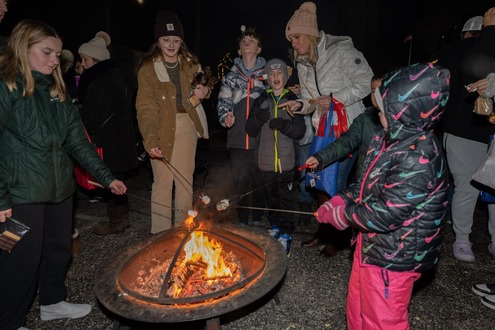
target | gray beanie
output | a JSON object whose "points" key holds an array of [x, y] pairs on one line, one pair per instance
{"points": [[97, 47], [276, 63]]}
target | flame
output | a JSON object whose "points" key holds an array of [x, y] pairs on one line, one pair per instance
{"points": [[201, 248]]}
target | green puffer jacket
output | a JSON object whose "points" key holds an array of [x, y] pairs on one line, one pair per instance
{"points": [[360, 133], [38, 135]]}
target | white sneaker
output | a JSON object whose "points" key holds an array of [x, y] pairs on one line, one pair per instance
{"points": [[64, 310]]}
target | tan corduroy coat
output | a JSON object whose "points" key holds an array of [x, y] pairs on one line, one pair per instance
{"points": [[156, 105]]}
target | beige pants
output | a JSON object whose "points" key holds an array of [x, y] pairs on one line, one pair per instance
{"points": [[178, 174]]}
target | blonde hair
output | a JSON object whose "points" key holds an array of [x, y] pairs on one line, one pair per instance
{"points": [[14, 59], [312, 56]]}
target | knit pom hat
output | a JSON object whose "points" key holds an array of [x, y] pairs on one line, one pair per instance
{"points": [[97, 47], [303, 21], [167, 23], [276, 63]]}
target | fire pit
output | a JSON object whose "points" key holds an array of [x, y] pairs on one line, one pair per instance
{"points": [[261, 260]]}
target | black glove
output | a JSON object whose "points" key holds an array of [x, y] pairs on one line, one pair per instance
{"points": [[262, 116], [276, 123]]}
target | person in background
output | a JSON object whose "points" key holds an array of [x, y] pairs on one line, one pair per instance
{"points": [[327, 65], [106, 112], [277, 134], [168, 123], [465, 139], [239, 88], [399, 202], [486, 88], [40, 130]]}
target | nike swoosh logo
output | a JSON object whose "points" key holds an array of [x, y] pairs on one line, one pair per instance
{"points": [[394, 135], [419, 257], [434, 94], [376, 208], [413, 77], [405, 175], [408, 222], [392, 255], [411, 196], [389, 79], [391, 185], [405, 96], [428, 239], [428, 114], [372, 183], [444, 101], [374, 173], [423, 160], [406, 234], [390, 204], [397, 116], [366, 249]]}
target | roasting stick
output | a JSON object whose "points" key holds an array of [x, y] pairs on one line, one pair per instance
{"points": [[276, 210], [191, 213]]}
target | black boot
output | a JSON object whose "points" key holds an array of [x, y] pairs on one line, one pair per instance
{"points": [[119, 221]]}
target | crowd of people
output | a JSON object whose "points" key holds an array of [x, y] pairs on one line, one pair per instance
{"points": [[405, 164]]}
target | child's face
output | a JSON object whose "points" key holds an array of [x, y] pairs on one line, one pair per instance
{"points": [[276, 80]]}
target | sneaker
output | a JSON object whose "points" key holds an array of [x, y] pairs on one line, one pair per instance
{"points": [[462, 251], [484, 289], [489, 301], [286, 240], [274, 232], [64, 310], [491, 249]]}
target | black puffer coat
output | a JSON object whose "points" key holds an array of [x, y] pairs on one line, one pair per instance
{"points": [[103, 91], [400, 200]]}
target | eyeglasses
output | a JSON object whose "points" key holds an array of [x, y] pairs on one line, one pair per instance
{"points": [[171, 42]]}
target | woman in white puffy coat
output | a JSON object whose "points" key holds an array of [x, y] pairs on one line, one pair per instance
{"points": [[326, 65]]}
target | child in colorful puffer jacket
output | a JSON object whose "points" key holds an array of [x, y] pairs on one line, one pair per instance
{"points": [[398, 205]]}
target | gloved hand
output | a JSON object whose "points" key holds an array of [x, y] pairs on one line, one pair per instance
{"points": [[276, 123], [332, 212], [262, 116]]}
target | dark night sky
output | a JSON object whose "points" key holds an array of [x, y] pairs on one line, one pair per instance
{"points": [[378, 27]]}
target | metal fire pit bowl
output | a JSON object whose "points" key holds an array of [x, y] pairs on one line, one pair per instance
{"points": [[262, 258]]}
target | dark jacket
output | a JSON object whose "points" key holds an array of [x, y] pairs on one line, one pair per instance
{"points": [[239, 88], [275, 144], [459, 118], [399, 203], [107, 114], [362, 130], [38, 135]]}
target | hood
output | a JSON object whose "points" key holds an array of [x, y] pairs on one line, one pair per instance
{"points": [[414, 98], [239, 64]]}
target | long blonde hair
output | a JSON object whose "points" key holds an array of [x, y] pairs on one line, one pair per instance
{"points": [[14, 59], [312, 57]]}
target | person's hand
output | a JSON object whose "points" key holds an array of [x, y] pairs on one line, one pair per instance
{"points": [[156, 153], [296, 89], [332, 212], [290, 106], [312, 162], [118, 187], [5, 214], [262, 116], [276, 123], [322, 101], [478, 86], [489, 17], [229, 120], [201, 92]]}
